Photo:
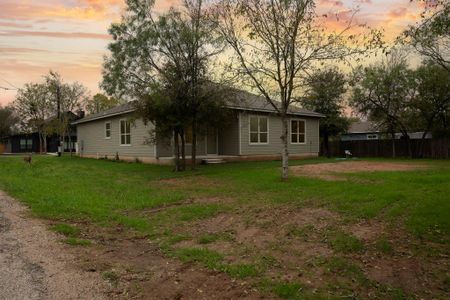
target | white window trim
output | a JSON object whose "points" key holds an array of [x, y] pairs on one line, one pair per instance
{"points": [[375, 136], [290, 131], [120, 133], [249, 131], [110, 130]]}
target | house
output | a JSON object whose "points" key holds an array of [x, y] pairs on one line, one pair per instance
{"points": [[29, 142], [366, 130], [253, 133]]}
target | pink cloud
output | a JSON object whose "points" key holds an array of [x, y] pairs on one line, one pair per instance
{"points": [[50, 34]]}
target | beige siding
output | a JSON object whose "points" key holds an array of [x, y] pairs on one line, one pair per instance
{"points": [[165, 148], [311, 145], [91, 138], [229, 137]]}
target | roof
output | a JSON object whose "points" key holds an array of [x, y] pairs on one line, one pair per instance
{"points": [[362, 127], [115, 111], [250, 102], [241, 101]]}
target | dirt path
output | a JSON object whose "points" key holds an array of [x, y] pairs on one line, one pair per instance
{"points": [[34, 265]]}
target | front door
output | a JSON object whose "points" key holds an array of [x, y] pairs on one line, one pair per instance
{"points": [[211, 142]]}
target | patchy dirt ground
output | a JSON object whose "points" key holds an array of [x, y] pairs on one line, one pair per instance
{"points": [[301, 245], [334, 171], [34, 265]]}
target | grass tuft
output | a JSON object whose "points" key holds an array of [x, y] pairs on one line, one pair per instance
{"points": [[65, 229], [346, 243], [77, 242]]}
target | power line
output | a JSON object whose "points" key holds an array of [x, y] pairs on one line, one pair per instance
{"points": [[7, 89], [9, 83]]}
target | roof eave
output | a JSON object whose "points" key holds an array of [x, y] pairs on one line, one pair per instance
{"points": [[103, 117]]}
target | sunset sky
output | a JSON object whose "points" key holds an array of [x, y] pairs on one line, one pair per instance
{"points": [[70, 36]]}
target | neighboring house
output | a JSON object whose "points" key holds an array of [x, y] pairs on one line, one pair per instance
{"points": [[29, 142], [253, 132], [365, 130]]}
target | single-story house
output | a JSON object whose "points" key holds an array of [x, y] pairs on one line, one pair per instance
{"points": [[366, 130], [253, 133], [29, 142]]}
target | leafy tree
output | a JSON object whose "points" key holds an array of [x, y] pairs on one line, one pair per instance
{"points": [[34, 107], [382, 93], [100, 103], [8, 121], [276, 43], [431, 36], [167, 53], [65, 98], [324, 94], [431, 104]]}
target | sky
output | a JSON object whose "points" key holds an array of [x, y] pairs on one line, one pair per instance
{"points": [[71, 36]]}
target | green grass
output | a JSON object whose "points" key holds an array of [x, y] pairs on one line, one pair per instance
{"points": [[106, 193], [77, 242], [346, 243], [65, 229]]}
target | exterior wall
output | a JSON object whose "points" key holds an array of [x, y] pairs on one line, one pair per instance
{"points": [[229, 137], [92, 141], [165, 147], [274, 146], [14, 142]]}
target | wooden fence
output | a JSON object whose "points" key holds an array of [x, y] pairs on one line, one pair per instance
{"points": [[432, 148]]}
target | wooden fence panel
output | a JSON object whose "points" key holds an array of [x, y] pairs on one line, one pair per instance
{"points": [[432, 148]]}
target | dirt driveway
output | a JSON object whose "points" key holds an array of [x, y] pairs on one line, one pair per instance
{"points": [[34, 265]]}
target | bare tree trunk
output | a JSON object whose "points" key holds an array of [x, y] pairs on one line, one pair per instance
{"points": [[285, 152], [326, 144], [183, 151], [70, 143], [422, 142], [393, 145], [177, 151], [194, 145], [41, 143], [408, 144]]}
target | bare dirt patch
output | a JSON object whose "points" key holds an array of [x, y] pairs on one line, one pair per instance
{"points": [[334, 171], [144, 272]]}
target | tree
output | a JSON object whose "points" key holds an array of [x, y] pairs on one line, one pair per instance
{"points": [[431, 105], [382, 93], [324, 94], [65, 98], [431, 36], [100, 103], [34, 107], [8, 121], [167, 53], [276, 43]]}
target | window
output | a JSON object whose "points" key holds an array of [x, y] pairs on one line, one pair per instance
{"points": [[26, 144], [107, 130], [125, 132], [259, 130], [372, 136], [297, 132]]}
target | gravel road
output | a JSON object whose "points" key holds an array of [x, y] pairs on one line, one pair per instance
{"points": [[34, 265]]}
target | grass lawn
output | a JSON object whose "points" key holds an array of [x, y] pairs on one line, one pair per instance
{"points": [[306, 237]]}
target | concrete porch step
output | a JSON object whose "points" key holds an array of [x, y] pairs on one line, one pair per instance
{"points": [[209, 161]]}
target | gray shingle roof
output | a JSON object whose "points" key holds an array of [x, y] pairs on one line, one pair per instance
{"points": [[363, 127], [115, 111], [241, 100]]}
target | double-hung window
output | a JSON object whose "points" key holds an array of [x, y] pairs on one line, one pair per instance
{"points": [[297, 131], [125, 133], [26, 144], [259, 130], [107, 130]]}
